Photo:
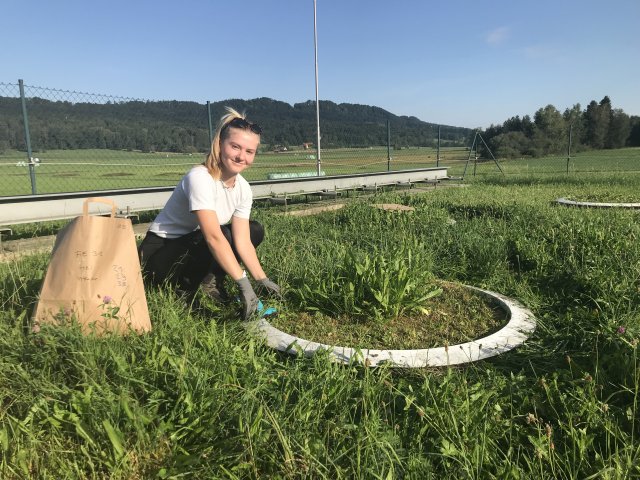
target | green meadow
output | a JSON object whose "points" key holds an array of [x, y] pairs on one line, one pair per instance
{"points": [[92, 169], [199, 397]]}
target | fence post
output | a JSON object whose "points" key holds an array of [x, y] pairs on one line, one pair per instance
{"points": [[388, 146], [210, 124], [438, 154], [569, 147], [315, 54], [27, 139]]}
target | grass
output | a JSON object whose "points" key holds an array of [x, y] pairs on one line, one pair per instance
{"points": [[199, 398], [455, 316], [600, 162], [95, 169]]}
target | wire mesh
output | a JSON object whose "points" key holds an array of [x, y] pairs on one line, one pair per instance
{"points": [[590, 162], [83, 141], [86, 142]]}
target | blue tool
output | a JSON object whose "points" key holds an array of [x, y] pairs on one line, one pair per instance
{"points": [[262, 312], [265, 312]]}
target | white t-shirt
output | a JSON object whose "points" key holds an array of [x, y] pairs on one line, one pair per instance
{"points": [[199, 191]]}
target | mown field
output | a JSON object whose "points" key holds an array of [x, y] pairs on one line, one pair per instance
{"points": [[200, 398], [78, 170], [84, 170]]}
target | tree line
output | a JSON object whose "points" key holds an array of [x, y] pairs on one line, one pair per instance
{"points": [[599, 126], [177, 126]]}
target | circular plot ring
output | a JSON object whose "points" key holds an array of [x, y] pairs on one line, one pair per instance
{"points": [[521, 324], [573, 203]]}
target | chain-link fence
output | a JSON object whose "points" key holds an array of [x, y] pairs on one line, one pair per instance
{"points": [[335, 161], [63, 141], [610, 163], [565, 161]]}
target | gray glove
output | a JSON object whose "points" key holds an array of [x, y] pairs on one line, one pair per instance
{"points": [[248, 298], [268, 287]]}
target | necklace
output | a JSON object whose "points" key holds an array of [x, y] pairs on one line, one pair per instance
{"points": [[232, 184]]}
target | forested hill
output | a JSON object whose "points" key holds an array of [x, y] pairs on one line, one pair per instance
{"points": [[183, 126], [344, 124]]}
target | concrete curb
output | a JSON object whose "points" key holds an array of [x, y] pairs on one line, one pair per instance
{"points": [[14, 249], [521, 324], [572, 203]]}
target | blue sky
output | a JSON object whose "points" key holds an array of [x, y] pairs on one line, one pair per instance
{"points": [[454, 62]]}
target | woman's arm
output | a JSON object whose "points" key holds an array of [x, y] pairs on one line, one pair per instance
{"points": [[244, 247], [218, 244]]}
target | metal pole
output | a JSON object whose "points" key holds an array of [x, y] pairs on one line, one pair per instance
{"points": [[315, 48], [27, 139], [569, 147], [388, 146], [210, 123], [470, 151], [475, 160], [438, 155], [490, 153]]}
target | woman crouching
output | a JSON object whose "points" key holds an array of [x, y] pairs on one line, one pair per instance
{"points": [[203, 233]]}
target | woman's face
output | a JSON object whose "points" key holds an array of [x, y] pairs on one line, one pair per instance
{"points": [[238, 150]]}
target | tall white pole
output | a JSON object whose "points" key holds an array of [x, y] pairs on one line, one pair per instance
{"points": [[315, 47]]}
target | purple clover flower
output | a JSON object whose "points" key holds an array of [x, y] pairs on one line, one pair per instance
{"points": [[107, 299], [621, 330]]}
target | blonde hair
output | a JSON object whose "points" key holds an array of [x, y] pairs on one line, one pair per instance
{"points": [[212, 160]]}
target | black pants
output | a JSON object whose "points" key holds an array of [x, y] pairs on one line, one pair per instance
{"points": [[186, 260]]}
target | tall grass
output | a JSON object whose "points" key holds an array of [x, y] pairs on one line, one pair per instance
{"points": [[199, 398]]}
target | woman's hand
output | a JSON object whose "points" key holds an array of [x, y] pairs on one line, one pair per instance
{"points": [[248, 298], [268, 287]]}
